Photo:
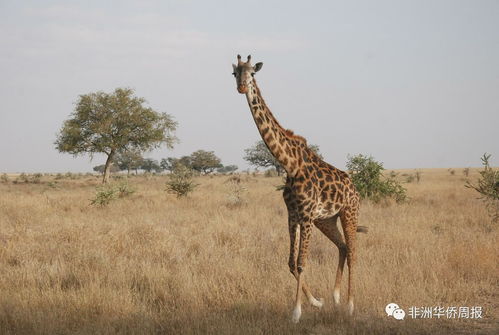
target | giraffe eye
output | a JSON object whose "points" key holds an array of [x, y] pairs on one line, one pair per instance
{"points": [[234, 74], [252, 74]]}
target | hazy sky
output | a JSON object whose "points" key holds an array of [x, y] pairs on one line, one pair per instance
{"points": [[412, 83]]}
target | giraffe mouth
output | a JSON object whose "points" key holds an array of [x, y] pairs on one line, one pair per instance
{"points": [[242, 89]]}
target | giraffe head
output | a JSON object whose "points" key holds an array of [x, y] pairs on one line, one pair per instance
{"points": [[244, 72]]}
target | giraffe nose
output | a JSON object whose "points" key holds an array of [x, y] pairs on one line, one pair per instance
{"points": [[242, 88]]}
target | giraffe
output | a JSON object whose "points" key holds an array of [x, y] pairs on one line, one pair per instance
{"points": [[315, 193]]}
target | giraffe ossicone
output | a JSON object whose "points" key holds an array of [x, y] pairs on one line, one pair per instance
{"points": [[316, 193]]}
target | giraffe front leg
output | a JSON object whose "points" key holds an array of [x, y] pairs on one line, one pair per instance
{"points": [[305, 232], [294, 235]]}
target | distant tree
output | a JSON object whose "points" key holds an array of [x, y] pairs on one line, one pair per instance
{"points": [[169, 163], [129, 160], [367, 176], [205, 161], [109, 123], [315, 148], [185, 161], [102, 168], [260, 156], [150, 165], [227, 169]]}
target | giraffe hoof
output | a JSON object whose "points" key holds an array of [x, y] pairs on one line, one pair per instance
{"points": [[296, 315], [317, 302], [336, 297], [350, 308]]}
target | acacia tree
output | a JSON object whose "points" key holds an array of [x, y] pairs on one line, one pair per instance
{"points": [[205, 161], [101, 168], [169, 163], [150, 165], [129, 160], [227, 169], [260, 156], [110, 123]]}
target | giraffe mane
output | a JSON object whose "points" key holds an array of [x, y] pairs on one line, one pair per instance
{"points": [[292, 135]]}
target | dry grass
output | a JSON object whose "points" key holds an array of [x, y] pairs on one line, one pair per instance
{"points": [[152, 263]]}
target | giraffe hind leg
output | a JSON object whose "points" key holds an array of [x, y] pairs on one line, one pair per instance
{"points": [[330, 229], [349, 218]]}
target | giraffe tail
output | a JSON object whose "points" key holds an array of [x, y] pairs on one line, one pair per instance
{"points": [[362, 229]]}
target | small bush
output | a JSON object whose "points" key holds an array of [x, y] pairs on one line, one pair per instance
{"points": [[4, 178], [466, 172], [124, 189], [104, 195], [36, 178], [452, 172], [52, 184], [488, 188], [24, 178], [180, 181], [410, 178], [368, 179], [236, 194]]}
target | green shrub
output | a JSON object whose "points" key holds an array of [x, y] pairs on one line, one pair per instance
{"points": [[124, 189], [180, 181], [4, 178], [107, 193], [104, 195], [367, 176], [52, 184], [488, 188]]}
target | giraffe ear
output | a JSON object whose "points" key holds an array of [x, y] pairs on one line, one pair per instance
{"points": [[234, 67], [257, 67]]}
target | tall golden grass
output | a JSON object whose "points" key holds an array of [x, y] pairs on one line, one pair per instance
{"points": [[154, 264]]}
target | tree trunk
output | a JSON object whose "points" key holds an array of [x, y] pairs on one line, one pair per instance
{"points": [[107, 168]]}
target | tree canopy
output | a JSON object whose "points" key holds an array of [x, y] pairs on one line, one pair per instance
{"points": [[129, 160], [260, 156], [150, 165], [205, 161], [109, 123], [227, 169]]}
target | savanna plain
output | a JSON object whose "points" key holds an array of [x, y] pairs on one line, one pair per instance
{"points": [[215, 262]]}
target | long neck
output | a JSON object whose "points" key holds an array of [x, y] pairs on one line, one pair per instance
{"points": [[285, 147]]}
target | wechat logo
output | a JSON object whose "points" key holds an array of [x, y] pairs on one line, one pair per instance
{"points": [[395, 311]]}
